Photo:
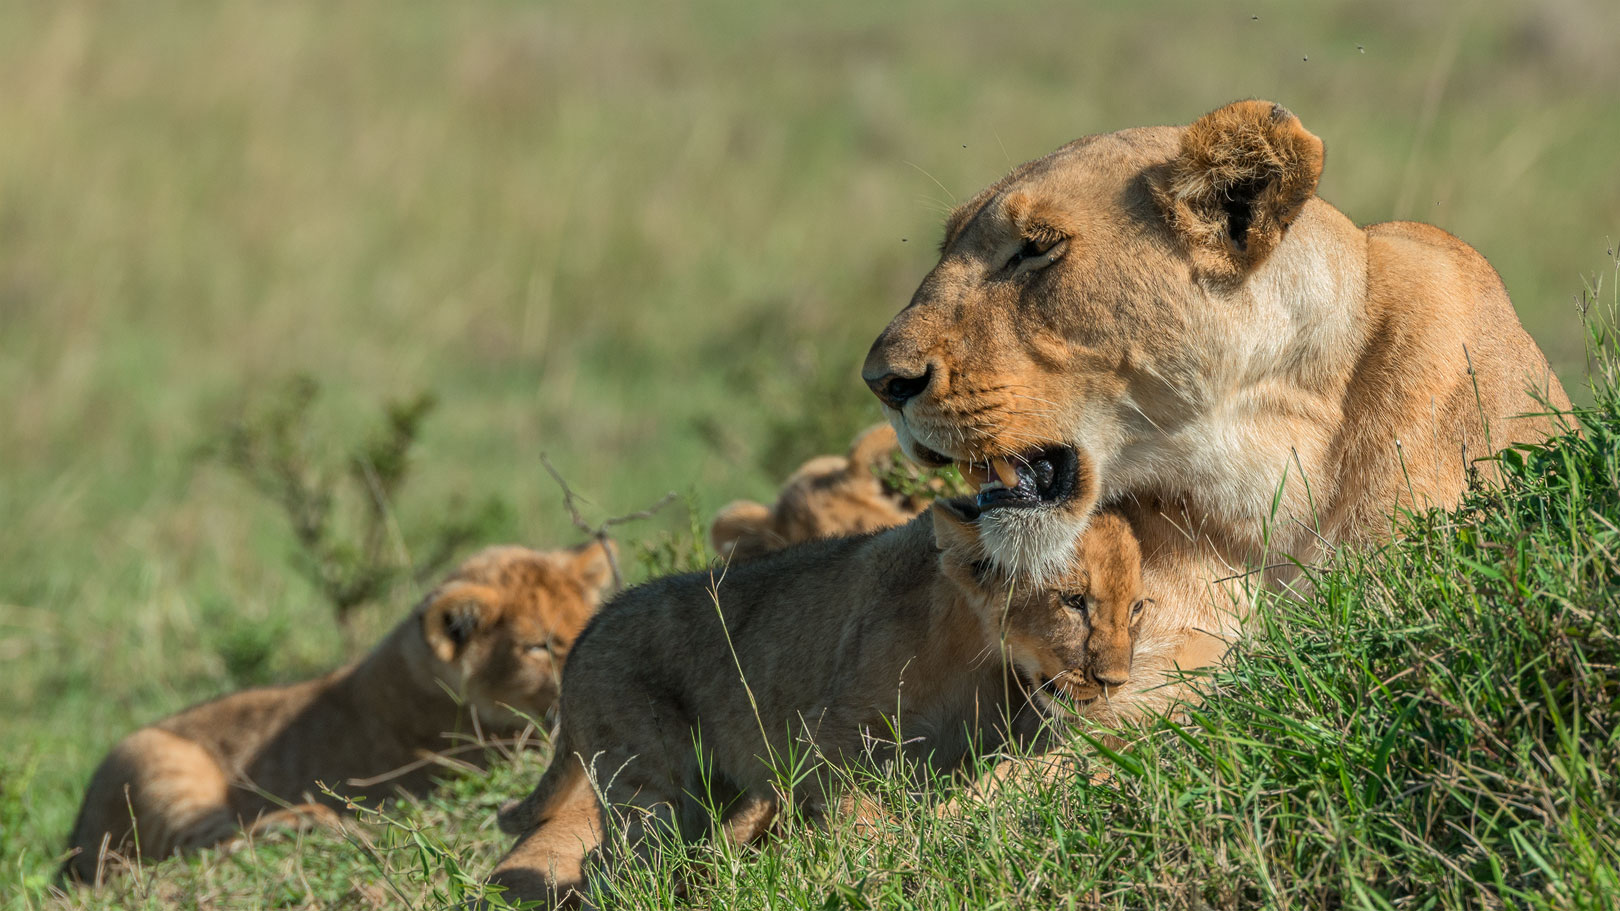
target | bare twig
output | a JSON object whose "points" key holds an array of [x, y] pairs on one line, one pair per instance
{"points": [[600, 532]]}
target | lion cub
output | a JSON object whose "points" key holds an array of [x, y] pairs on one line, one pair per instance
{"points": [[494, 633], [851, 650], [828, 496]]}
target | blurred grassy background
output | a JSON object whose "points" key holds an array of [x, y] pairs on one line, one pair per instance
{"points": [[652, 240]]}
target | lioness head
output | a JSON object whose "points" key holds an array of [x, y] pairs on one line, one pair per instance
{"points": [[826, 497], [1072, 636], [497, 630], [1106, 300]]}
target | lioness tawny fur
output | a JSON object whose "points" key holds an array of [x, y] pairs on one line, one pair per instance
{"points": [[1251, 373], [494, 634]]}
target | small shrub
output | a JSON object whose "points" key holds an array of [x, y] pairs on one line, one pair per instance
{"points": [[246, 647], [340, 504]]}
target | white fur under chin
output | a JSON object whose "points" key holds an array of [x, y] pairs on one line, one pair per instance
{"points": [[1035, 545]]}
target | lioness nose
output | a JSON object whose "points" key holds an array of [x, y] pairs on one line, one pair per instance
{"points": [[895, 390]]}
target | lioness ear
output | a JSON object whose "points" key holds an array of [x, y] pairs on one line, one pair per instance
{"points": [[738, 520], [874, 444], [955, 527], [456, 613], [592, 562], [1242, 175]]}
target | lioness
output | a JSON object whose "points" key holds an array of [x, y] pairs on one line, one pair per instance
{"points": [[1251, 373], [481, 651], [848, 650], [828, 496]]}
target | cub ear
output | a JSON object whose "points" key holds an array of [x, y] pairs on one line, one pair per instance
{"points": [[738, 520], [455, 614], [871, 448], [956, 528], [1242, 175], [592, 562]]}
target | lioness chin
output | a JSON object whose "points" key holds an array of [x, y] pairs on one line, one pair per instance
{"points": [[1251, 374], [482, 651], [694, 691]]}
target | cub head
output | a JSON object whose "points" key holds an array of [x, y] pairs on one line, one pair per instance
{"points": [[1070, 639], [828, 496], [1100, 301], [498, 629]]}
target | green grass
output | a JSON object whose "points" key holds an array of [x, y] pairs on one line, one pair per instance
{"points": [[1435, 724], [650, 240]]}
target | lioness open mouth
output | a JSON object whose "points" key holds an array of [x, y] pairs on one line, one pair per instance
{"points": [[1044, 477]]}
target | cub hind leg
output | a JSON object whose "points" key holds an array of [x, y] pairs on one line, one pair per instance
{"points": [[155, 794]]}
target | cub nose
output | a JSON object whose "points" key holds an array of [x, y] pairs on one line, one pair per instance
{"points": [[1113, 676], [895, 390]]}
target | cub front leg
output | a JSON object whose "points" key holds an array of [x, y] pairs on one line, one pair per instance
{"points": [[548, 863], [751, 817]]}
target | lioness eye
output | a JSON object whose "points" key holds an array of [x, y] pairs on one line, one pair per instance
{"points": [[1076, 603], [1036, 254]]}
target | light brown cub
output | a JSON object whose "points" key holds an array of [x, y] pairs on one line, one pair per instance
{"points": [[494, 633], [851, 651], [828, 496]]}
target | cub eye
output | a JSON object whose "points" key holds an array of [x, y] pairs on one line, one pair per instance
{"points": [[1036, 254], [1136, 609], [1077, 603], [539, 648]]}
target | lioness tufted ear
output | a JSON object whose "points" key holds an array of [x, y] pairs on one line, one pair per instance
{"points": [[592, 563], [737, 521], [455, 613], [956, 527], [1242, 175]]}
